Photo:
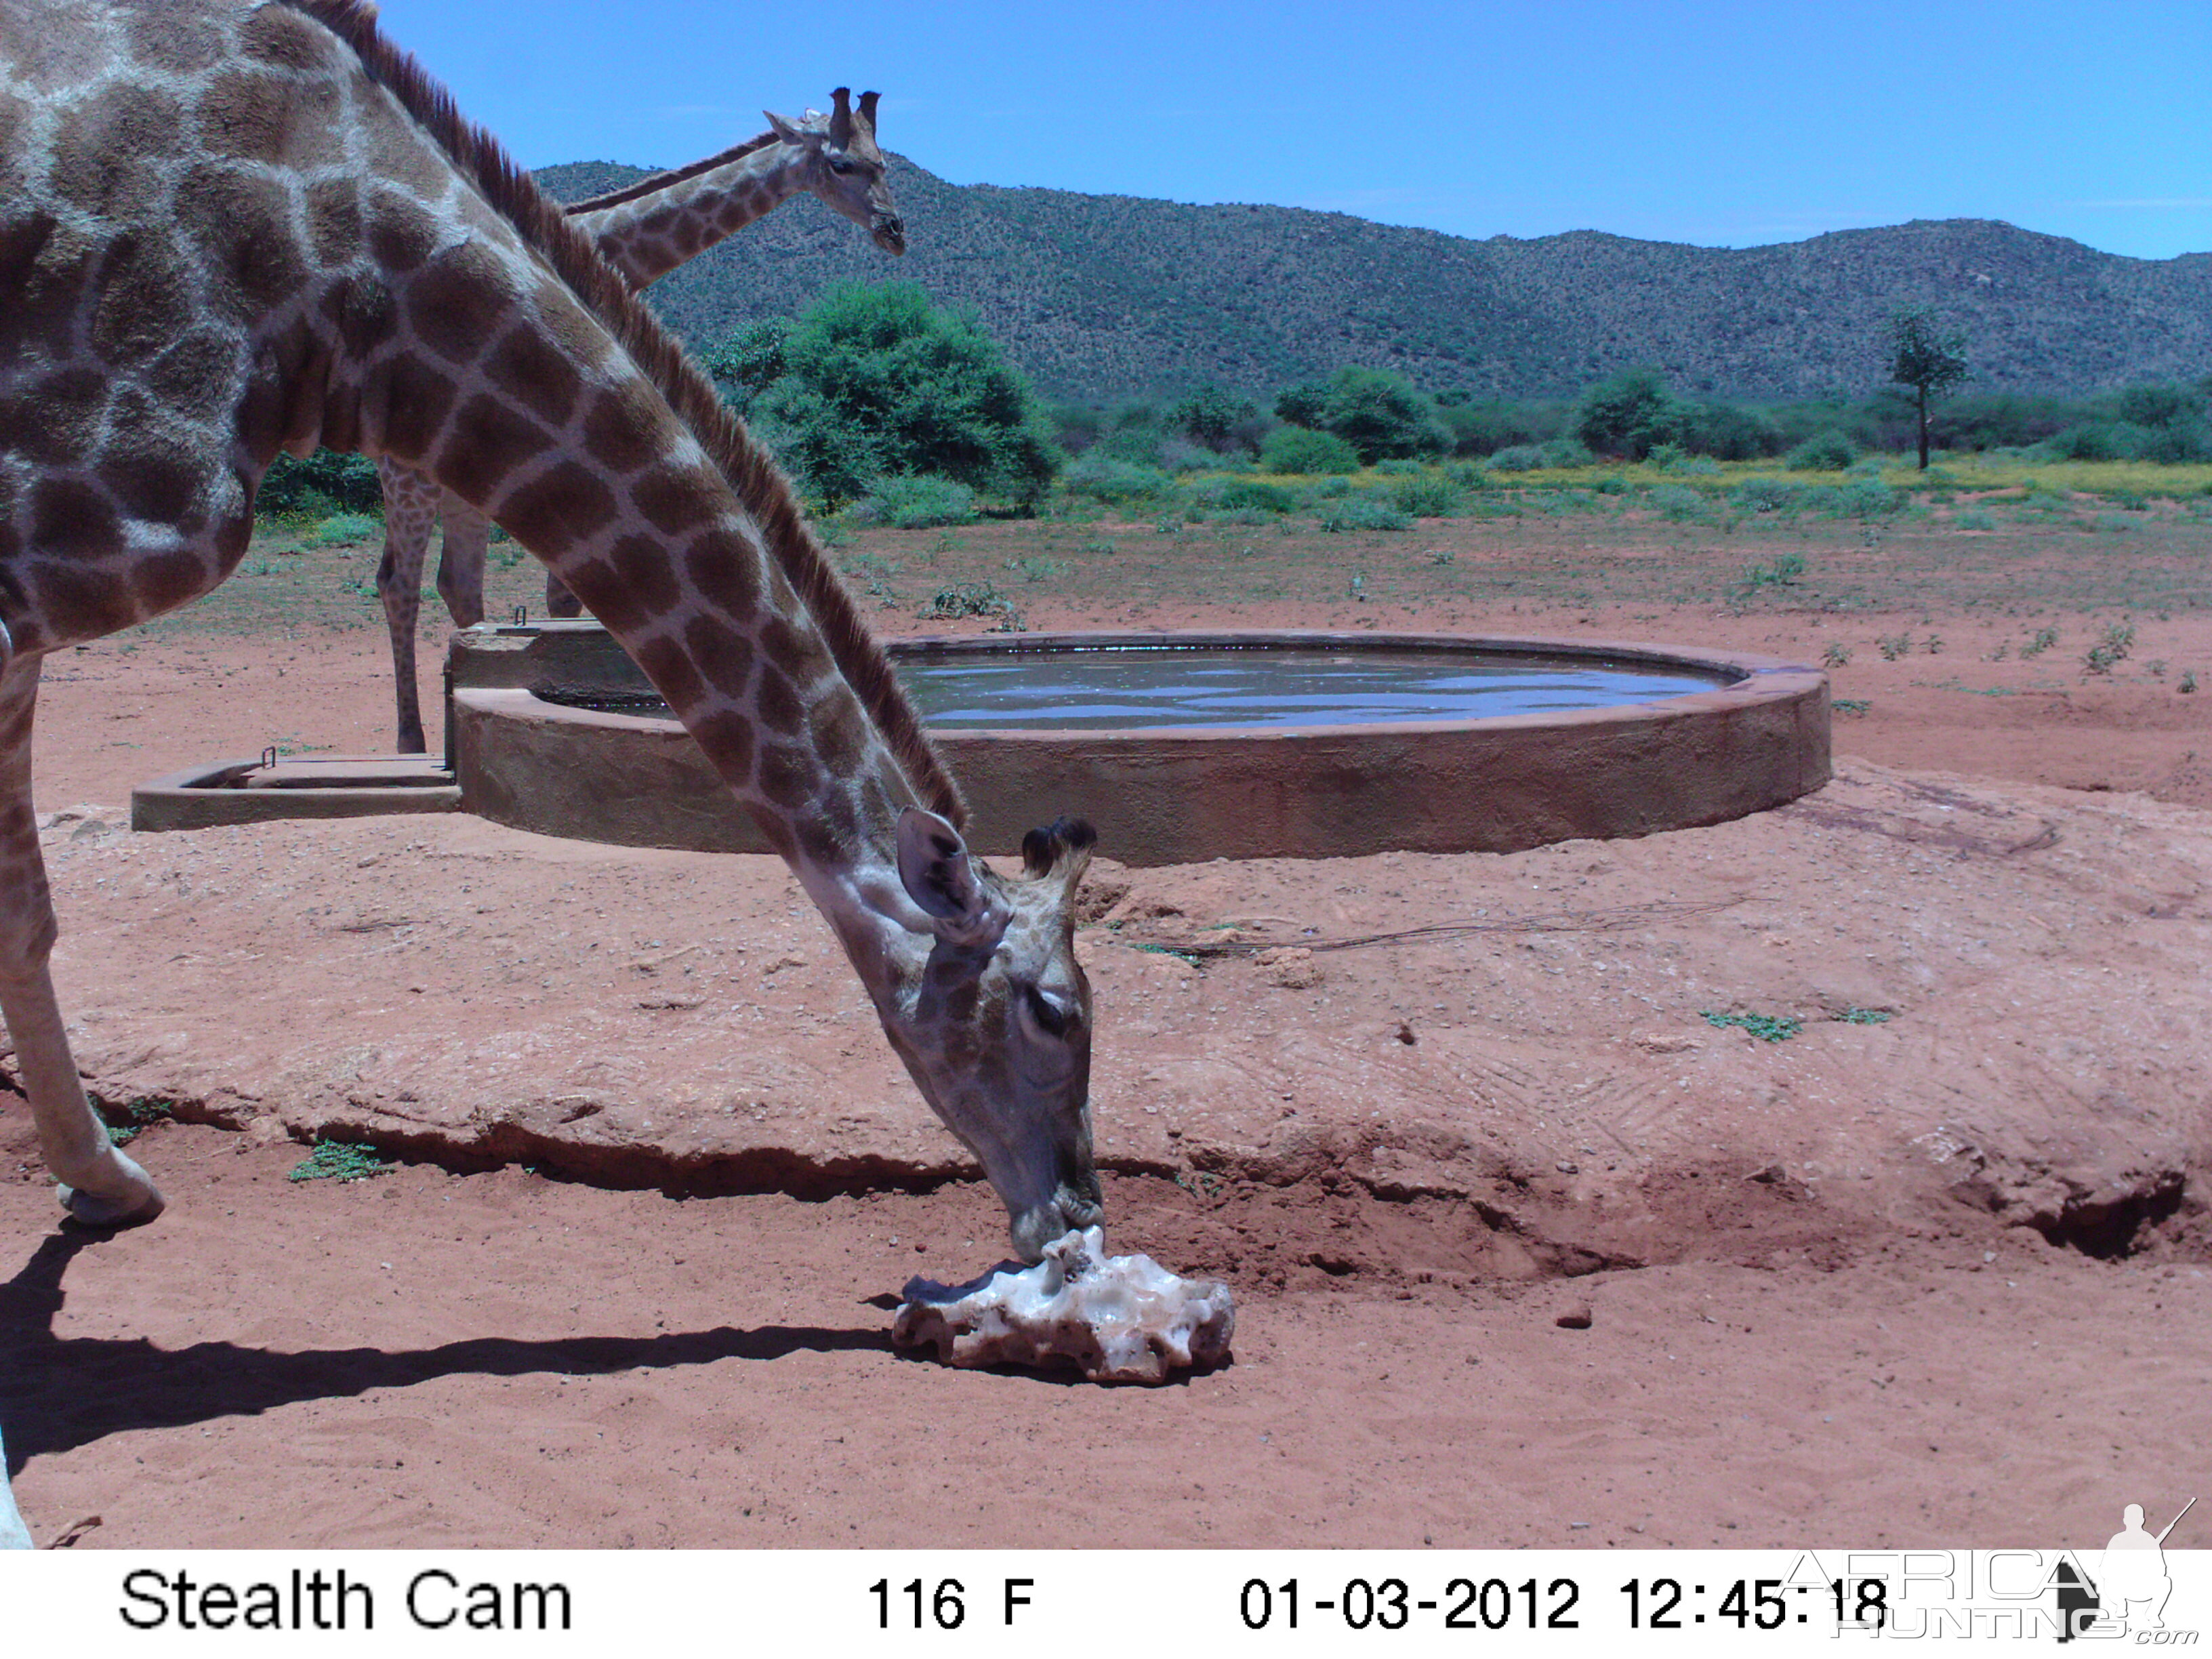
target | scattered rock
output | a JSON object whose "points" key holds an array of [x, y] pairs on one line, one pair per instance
{"points": [[1665, 1043], [1577, 1318], [1290, 966]]}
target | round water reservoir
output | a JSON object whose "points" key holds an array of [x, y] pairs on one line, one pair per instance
{"points": [[1187, 747]]}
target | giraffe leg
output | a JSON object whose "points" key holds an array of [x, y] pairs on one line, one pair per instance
{"points": [[410, 507], [14, 1534], [100, 1185], [461, 561], [559, 601]]}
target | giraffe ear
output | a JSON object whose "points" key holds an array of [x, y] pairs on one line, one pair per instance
{"points": [[784, 129], [938, 875]]}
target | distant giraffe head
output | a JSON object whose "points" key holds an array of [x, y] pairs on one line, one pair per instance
{"points": [[843, 166]]}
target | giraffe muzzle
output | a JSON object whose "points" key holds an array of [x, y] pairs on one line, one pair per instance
{"points": [[890, 233]]}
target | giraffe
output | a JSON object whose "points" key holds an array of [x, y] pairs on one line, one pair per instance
{"points": [[229, 227], [645, 230]]}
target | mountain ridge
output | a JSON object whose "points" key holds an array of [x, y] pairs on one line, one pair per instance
{"points": [[1100, 297]]}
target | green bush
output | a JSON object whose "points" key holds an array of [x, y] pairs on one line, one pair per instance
{"points": [[1302, 449], [342, 529], [1729, 433], [1824, 451], [919, 502], [1219, 420], [1116, 482], [881, 382], [2158, 406], [1628, 414], [326, 482], [2095, 440], [1380, 415], [1678, 502], [1428, 496], [1869, 498], [1251, 495], [1765, 495], [1364, 513], [1521, 458]]}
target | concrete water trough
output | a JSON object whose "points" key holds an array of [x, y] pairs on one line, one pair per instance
{"points": [[299, 786], [551, 728]]}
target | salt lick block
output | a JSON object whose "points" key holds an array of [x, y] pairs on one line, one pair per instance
{"points": [[1116, 1319]]}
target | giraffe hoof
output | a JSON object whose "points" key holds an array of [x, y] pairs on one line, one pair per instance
{"points": [[137, 1200]]}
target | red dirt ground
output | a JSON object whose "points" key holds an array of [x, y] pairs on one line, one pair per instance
{"points": [[1940, 1279]]}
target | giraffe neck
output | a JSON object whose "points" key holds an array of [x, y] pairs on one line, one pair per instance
{"points": [[647, 236]]}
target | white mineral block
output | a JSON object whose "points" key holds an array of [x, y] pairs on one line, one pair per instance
{"points": [[1117, 1318]]}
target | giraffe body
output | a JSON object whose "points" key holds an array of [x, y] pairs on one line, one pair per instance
{"points": [[229, 227], [644, 231]]}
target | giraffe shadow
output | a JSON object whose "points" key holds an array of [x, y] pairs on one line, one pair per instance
{"points": [[59, 1393]]}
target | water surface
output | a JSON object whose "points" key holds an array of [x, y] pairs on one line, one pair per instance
{"points": [[1108, 687]]}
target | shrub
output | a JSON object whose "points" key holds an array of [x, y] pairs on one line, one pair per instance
{"points": [[327, 482], [1869, 498], [1365, 513], [2178, 441], [1567, 451], [919, 502], [341, 528], [1117, 482], [1824, 451], [1676, 502], [1729, 433], [1219, 420], [1486, 428], [2094, 441], [1182, 455], [1975, 518], [1521, 458], [1252, 494], [746, 364], [883, 382], [1426, 497], [2158, 405], [1302, 449], [1765, 495], [1628, 414], [1380, 415]]}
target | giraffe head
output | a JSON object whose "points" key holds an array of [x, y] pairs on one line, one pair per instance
{"points": [[990, 1010], [844, 167]]}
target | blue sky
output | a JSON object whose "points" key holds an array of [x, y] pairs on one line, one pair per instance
{"points": [[1721, 124]]}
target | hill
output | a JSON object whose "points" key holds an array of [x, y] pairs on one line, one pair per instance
{"points": [[1106, 296]]}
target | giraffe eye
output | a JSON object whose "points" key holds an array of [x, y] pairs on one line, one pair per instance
{"points": [[1050, 1017], [839, 164]]}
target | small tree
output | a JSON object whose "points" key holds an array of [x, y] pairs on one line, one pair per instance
{"points": [[1379, 414], [880, 382], [1631, 413], [745, 365], [1926, 358], [1220, 420]]}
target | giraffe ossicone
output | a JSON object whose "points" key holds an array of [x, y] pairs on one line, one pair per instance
{"points": [[645, 230]]}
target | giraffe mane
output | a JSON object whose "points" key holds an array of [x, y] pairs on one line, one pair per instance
{"points": [[752, 475], [658, 181]]}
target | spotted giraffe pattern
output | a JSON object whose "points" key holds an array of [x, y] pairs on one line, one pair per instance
{"points": [[229, 227], [644, 231]]}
